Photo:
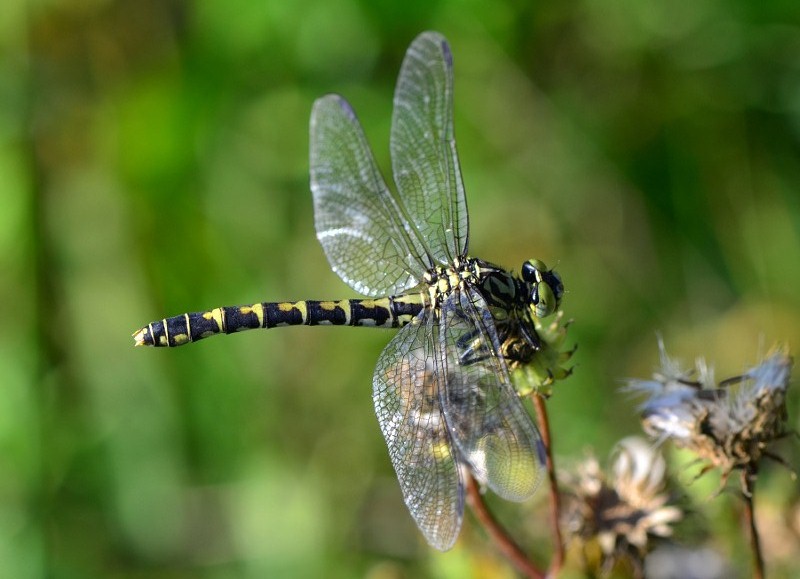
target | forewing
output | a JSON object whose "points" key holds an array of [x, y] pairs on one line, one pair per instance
{"points": [[423, 146], [406, 388], [358, 222], [491, 428]]}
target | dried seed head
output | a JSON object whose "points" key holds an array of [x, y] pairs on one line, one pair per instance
{"points": [[729, 424], [622, 513]]}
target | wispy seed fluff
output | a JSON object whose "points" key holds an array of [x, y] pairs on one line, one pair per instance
{"points": [[623, 512], [727, 424]]}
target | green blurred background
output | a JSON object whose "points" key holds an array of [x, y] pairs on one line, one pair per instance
{"points": [[153, 160]]}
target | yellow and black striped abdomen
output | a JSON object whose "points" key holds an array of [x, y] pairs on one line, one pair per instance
{"points": [[391, 312]]}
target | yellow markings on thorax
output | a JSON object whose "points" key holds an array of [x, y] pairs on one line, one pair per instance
{"points": [[499, 314], [444, 280], [433, 292]]}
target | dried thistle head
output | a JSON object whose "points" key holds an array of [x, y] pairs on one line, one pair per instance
{"points": [[727, 424], [621, 513]]}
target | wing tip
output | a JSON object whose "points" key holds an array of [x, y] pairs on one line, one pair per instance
{"points": [[346, 107], [446, 52], [438, 39], [333, 100], [441, 537]]}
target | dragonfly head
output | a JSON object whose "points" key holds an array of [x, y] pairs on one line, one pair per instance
{"points": [[546, 287]]}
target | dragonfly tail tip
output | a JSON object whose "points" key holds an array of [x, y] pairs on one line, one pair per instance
{"points": [[140, 337]]}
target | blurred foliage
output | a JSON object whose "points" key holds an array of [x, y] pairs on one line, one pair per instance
{"points": [[153, 160]]}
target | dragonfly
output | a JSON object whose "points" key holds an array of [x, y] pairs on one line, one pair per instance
{"points": [[442, 386]]}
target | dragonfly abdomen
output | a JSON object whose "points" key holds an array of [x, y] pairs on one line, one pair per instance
{"points": [[391, 312]]}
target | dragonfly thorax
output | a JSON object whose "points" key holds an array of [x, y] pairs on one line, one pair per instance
{"points": [[443, 280]]}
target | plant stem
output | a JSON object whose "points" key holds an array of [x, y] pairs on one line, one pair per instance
{"points": [[500, 536], [748, 488], [555, 500]]}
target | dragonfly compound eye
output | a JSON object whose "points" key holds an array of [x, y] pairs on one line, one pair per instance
{"points": [[532, 270], [546, 287], [543, 300]]}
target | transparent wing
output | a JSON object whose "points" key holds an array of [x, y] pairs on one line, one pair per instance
{"points": [[406, 392], [358, 222], [423, 146], [491, 428]]}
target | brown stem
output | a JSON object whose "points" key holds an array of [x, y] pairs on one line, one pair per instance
{"points": [[555, 500], [499, 535], [748, 487]]}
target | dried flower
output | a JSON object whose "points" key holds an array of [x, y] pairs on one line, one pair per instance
{"points": [[730, 424], [621, 513]]}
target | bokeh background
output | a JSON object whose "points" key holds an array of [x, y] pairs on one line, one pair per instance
{"points": [[153, 160]]}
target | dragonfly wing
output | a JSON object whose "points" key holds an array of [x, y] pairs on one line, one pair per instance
{"points": [[491, 428], [406, 389], [358, 221], [423, 146]]}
